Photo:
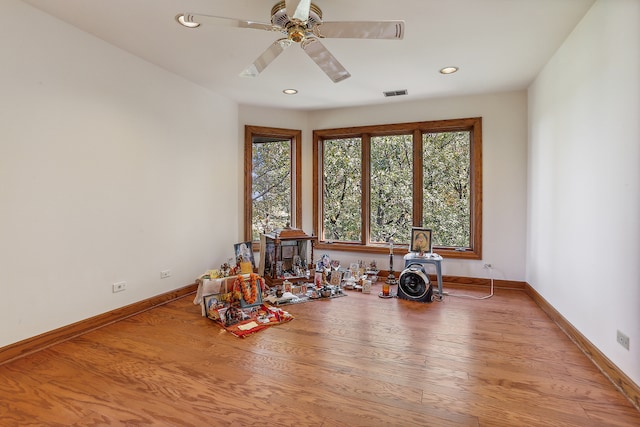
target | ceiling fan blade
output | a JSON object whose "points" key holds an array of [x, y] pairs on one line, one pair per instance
{"points": [[325, 60], [360, 30], [266, 58], [226, 22], [298, 9]]}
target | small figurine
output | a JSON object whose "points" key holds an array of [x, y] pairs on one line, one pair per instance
{"points": [[324, 263], [224, 270], [324, 268]]}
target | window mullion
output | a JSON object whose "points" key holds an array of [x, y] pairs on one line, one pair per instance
{"points": [[296, 181], [248, 168], [417, 178], [366, 188]]}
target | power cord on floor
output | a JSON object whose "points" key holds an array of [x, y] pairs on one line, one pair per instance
{"points": [[488, 267]]}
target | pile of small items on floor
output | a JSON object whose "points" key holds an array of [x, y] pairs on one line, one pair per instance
{"points": [[288, 293], [241, 302], [355, 277], [329, 281], [236, 303]]}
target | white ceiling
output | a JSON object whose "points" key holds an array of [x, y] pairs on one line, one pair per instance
{"points": [[499, 45]]}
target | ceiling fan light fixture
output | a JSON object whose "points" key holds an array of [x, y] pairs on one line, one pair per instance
{"points": [[182, 20], [290, 91], [448, 70], [296, 33]]}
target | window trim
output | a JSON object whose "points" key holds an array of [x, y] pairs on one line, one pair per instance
{"points": [[472, 125], [295, 135]]}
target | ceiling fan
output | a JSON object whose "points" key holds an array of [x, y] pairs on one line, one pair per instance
{"points": [[301, 22]]}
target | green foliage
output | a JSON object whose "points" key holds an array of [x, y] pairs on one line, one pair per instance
{"points": [[391, 188], [342, 192], [446, 188], [271, 186]]}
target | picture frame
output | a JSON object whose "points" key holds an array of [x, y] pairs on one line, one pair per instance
{"points": [[258, 301], [214, 308], [287, 252], [421, 241], [287, 286], [336, 278], [366, 286], [244, 252]]}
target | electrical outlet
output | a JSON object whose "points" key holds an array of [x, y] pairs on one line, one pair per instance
{"points": [[487, 266], [165, 273], [623, 340], [119, 287]]}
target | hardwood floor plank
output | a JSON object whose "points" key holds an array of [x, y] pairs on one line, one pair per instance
{"points": [[353, 361]]}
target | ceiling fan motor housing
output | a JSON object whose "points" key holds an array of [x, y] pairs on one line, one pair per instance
{"points": [[280, 18]]}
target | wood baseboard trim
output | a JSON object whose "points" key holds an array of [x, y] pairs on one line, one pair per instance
{"points": [[626, 386], [476, 281], [465, 281], [47, 339]]}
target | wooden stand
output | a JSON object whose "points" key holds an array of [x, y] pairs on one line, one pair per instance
{"points": [[284, 254]]}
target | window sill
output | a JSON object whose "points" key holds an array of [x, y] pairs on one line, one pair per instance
{"points": [[397, 250]]}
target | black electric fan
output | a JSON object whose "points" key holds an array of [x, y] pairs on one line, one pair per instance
{"points": [[414, 284]]}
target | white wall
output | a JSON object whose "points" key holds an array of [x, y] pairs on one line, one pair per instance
{"points": [[109, 171], [584, 182]]}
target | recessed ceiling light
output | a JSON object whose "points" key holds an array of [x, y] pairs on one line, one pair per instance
{"points": [[448, 70], [182, 20], [290, 91]]}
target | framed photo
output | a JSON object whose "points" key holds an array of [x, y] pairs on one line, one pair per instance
{"points": [[366, 286], [250, 287], [287, 286], [421, 240], [288, 252], [214, 308], [244, 252], [336, 277]]}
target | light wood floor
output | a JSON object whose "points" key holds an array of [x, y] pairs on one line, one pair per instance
{"points": [[353, 361]]}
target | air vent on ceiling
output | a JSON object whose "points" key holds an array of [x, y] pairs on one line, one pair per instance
{"points": [[395, 92]]}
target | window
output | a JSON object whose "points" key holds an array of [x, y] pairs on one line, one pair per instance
{"points": [[272, 180], [373, 183], [341, 220], [391, 188]]}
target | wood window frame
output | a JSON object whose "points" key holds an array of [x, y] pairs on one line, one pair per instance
{"points": [[295, 136], [472, 125]]}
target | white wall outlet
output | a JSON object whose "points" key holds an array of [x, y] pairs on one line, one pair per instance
{"points": [[623, 340], [165, 273], [487, 266], [119, 287]]}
